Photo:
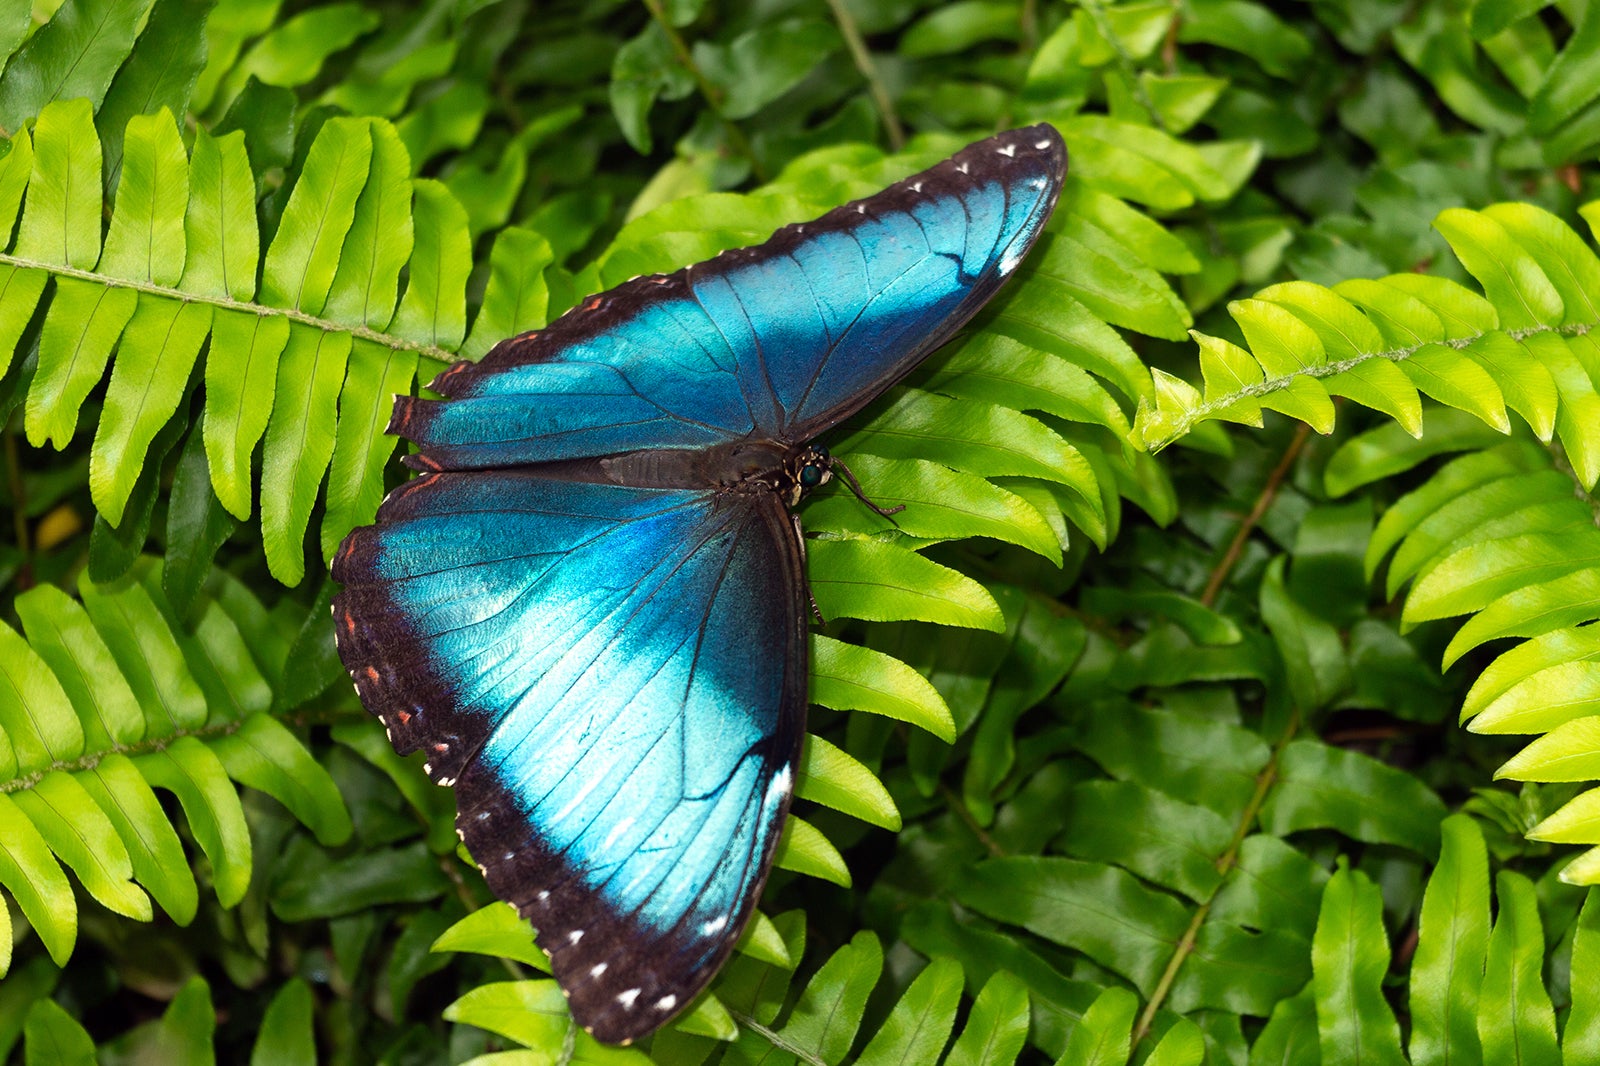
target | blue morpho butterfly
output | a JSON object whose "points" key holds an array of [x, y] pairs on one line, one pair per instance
{"points": [[591, 612]]}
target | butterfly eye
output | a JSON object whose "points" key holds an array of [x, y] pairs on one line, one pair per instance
{"points": [[810, 475]]}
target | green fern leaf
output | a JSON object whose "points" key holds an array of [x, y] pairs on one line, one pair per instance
{"points": [[197, 526], [159, 73], [153, 846], [1580, 1036], [904, 585], [81, 836], [1349, 957], [495, 930], [36, 716], [803, 849], [994, 368], [830, 776], [29, 871], [146, 243], [61, 633], [292, 53], [434, 308], [940, 504], [849, 677], [1166, 842], [825, 1019], [192, 773], [299, 443], [997, 1026], [54, 1036], [263, 754], [1322, 786], [517, 296], [186, 1028], [73, 57], [534, 1014], [920, 1024], [1452, 943], [148, 654], [287, 1028], [1512, 976], [1101, 1039]]}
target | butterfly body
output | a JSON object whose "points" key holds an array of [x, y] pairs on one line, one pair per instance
{"points": [[591, 610]]}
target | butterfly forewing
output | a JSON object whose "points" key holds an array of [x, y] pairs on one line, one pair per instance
{"points": [[778, 342]]}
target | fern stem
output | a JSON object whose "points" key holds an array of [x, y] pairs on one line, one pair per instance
{"points": [[1225, 864], [326, 325], [710, 92], [1559, 459], [776, 1039], [1125, 63], [143, 747], [1269, 492], [1169, 46], [1269, 773], [19, 509], [960, 807], [869, 70], [1028, 23]]}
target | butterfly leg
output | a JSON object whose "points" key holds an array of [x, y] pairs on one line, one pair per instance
{"points": [[855, 487], [800, 539]]}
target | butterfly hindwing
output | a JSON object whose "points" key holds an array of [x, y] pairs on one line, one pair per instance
{"points": [[779, 341], [613, 679]]}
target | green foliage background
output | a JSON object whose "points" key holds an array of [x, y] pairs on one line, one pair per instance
{"points": [[1119, 753]]}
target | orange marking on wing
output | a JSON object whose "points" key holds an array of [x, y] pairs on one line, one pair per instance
{"points": [[594, 303], [372, 674], [404, 716]]}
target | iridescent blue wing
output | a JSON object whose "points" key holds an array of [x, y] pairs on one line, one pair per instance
{"points": [[776, 342], [614, 680]]}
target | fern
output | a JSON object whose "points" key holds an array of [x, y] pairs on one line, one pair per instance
{"points": [[1521, 344], [112, 697], [1498, 534], [820, 1027]]}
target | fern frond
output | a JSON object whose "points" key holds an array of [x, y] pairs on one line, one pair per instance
{"points": [[112, 696], [179, 263], [1506, 535], [1525, 343]]}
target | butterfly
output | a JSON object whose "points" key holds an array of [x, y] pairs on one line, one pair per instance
{"points": [[591, 612]]}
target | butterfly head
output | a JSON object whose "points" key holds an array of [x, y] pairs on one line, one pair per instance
{"points": [[809, 468]]}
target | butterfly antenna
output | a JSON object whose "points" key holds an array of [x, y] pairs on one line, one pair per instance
{"points": [[855, 487]]}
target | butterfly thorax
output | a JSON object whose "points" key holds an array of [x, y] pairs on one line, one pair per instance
{"points": [[742, 467]]}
